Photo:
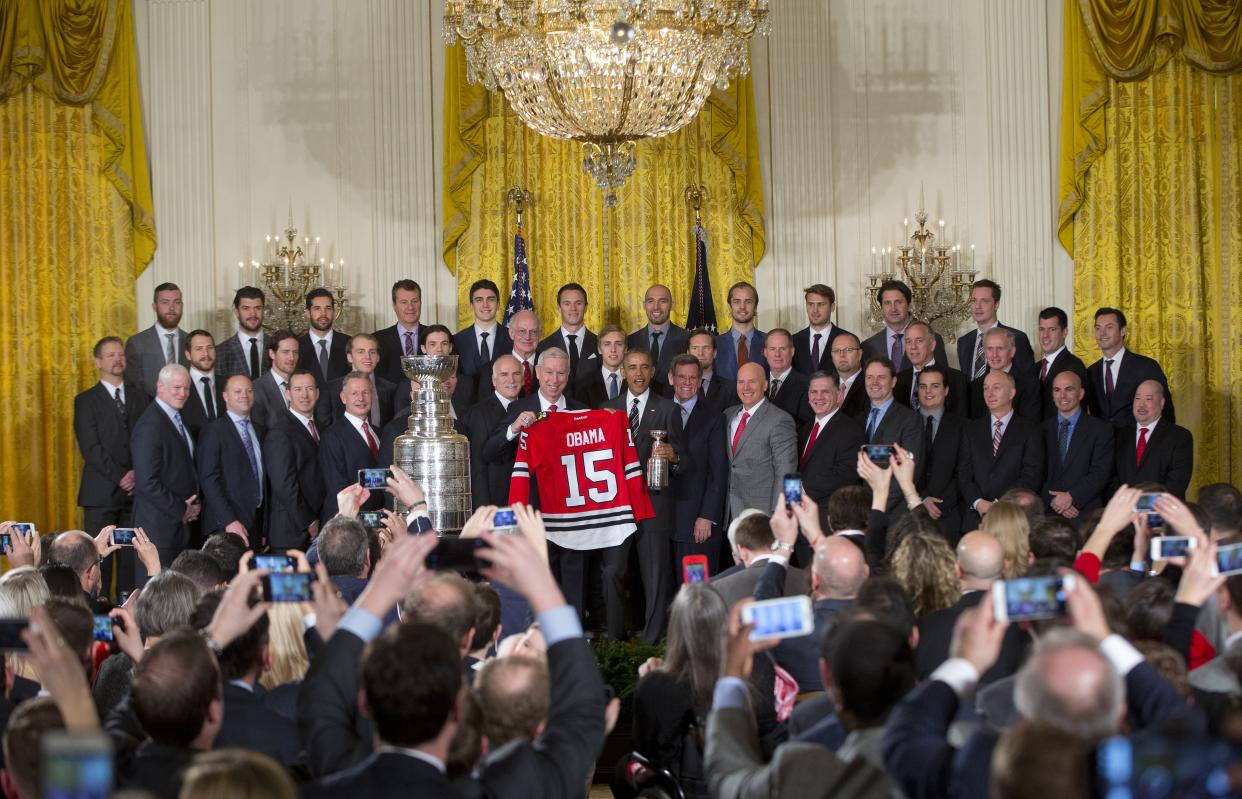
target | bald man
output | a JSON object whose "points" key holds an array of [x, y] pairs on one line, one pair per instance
{"points": [[660, 337], [1153, 449], [762, 444], [1078, 451], [980, 561]]}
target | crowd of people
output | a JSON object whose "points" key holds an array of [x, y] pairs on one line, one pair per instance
{"points": [[916, 491]]}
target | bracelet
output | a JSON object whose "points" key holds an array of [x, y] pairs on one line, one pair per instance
{"points": [[212, 644], [416, 504]]}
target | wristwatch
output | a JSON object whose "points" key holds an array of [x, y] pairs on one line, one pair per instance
{"points": [[212, 644], [777, 546]]}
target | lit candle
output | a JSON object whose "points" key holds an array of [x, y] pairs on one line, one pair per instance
{"points": [[942, 231], [906, 222], [873, 259], [972, 258], [340, 276]]}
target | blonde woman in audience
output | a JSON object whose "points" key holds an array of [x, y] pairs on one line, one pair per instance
{"points": [[923, 564], [236, 774], [1007, 521], [21, 590], [285, 646]]}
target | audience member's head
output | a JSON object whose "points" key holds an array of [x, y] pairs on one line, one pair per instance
{"points": [[245, 658], [21, 590], [870, 667], [487, 621], [1222, 503], [514, 694], [848, 507], [200, 567], [694, 656], [446, 601], [236, 774], [227, 549], [838, 570], [176, 691], [167, 601], [61, 580], [888, 600], [344, 548], [980, 561], [23, 737], [411, 684], [1035, 760], [924, 565], [1068, 683], [912, 521], [1148, 608], [286, 648], [1008, 522], [76, 550], [752, 536], [1030, 502], [76, 624], [1055, 537]]}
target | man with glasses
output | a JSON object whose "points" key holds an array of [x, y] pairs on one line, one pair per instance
{"points": [[847, 358]]}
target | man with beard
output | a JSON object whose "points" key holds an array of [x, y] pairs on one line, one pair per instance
{"points": [[271, 390], [161, 343], [245, 353], [743, 342], [206, 401], [322, 349]]}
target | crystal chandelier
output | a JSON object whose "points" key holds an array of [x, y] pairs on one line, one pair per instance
{"points": [[289, 271], [605, 72], [937, 274]]}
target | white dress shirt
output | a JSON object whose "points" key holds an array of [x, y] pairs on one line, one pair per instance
{"points": [[491, 338], [737, 418], [1139, 427], [358, 423], [306, 422]]}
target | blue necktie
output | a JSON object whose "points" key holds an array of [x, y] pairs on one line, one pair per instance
{"points": [[612, 386], [181, 430], [1064, 437], [244, 428], [871, 423]]}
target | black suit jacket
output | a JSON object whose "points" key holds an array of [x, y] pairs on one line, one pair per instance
{"points": [[164, 478], [802, 351], [499, 452], [342, 452], [156, 769], [792, 397], [590, 388], [939, 478], [391, 349], [295, 482], [229, 491], [489, 480], [1023, 357], [936, 634], [1018, 463], [1066, 361], [720, 394], [329, 408], [1133, 370], [880, 344], [832, 461], [102, 433], [588, 351], [384, 774], [672, 343], [659, 414], [194, 414], [471, 367], [250, 724], [856, 402], [1026, 401], [955, 403], [308, 357], [1168, 458], [701, 484], [1087, 470]]}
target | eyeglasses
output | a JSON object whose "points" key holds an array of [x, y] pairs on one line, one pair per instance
{"points": [[845, 350]]}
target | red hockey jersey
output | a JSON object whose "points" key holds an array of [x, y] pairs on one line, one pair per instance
{"points": [[591, 486]]}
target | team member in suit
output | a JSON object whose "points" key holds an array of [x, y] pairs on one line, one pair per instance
{"points": [[999, 345], [437, 340], [895, 300], [999, 452], [245, 353], [165, 479], [147, 351], [206, 402], [291, 462], [762, 444], [595, 386], [1053, 328], [103, 415], [321, 349], [889, 422], [1115, 376], [230, 467], [847, 355], [743, 343], [272, 389], [786, 387], [572, 336], [971, 357], [483, 342], [942, 440], [350, 445], [813, 343], [701, 482], [647, 411], [829, 445], [1153, 449], [363, 357], [489, 480], [405, 335], [660, 337], [716, 392], [921, 349], [524, 331], [1078, 450]]}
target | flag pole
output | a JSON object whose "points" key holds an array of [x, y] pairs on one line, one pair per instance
{"points": [[520, 298]]}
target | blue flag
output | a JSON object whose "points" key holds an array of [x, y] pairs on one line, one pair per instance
{"points": [[519, 295], [702, 311]]}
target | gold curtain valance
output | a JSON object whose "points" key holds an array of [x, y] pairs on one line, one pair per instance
{"points": [[82, 53]]}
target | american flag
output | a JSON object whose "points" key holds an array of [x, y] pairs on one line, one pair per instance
{"points": [[702, 311], [519, 295]]}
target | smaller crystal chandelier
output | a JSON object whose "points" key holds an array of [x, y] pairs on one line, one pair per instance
{"points": [[938, 278], [288, 272], [605, 72]]}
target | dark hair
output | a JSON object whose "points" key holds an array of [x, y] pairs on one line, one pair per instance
{"points": [[76, 624], [74, 549], [227, 549], [889, 601], [155, 295], [988, 284], [700, 331], [453, 612], [193, 334], [274, 339], [1054, 537], [742, 284], [23, 738], [1148, 608], [99, 345], [822, 373], [894, 285], [173, 687], [406, 284], [437, 328], [249, 293], [61, 580], [487, 617], [411, 674], [917, 520], [1223, 505], [480, 285], [823, 291], [1117, 556], [343, 546], [202, 568], [1105, 311], [315, 294], [685, 359], [848, 508], [936, 368], [872, 668], [1053, 312], [882, 361], [754, 533], [571, 287], [244, 654]]}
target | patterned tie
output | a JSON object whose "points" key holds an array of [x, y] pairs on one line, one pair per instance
{"points": [[485, 354], [871, 423], [244, 429], [776, 388], [170, 350], [573, 353], [310, 425], [810, 442], [254, 358], [634, 419], [528, 380], [743, 354], [181, 429], [741, 425], [1108, 379], [914, 389], [209, 401], [1043, 370], [120, 403], [897, 352], [613, 387], [1141, 447], [284, 392], [815, 352], [655, 346], [1063, 438], [685, 415], [981, 362], [323, 358], [409, 343], [996, 437], [371, 445]]}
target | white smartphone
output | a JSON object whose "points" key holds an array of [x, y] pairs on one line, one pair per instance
{"points": [[1229, 560], [785, 617], [1171, 546], [1029, 598]]}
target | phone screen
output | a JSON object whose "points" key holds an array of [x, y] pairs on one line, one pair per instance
{"points": [[373, 478], [6, 543], [1229, 559], [288, 587], [1146, 502], [456, 554], [1172, 547], [879, 453], [284, 564], [505, 518], [793, 489], [26, 529], [1035, 598], [123, 536], [786, 617], [694, 568], [103, 628], [76, 766]]}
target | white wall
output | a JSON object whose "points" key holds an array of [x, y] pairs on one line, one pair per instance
{"points": [[334, 106]]}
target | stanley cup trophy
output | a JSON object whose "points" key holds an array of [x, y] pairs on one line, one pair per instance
{"points": [[431, 452]]}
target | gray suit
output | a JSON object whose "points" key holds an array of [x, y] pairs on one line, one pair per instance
{"points": [[269, 401], [145, 356], [766, 452], [741, 584], [1216, 676]]}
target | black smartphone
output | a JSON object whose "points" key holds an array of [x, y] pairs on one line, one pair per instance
{"points": [[124, 536], [372, 519], [793, 490], [6, 543], [288, 587], [880, 454], [276, 564], [457, 554], [11, 635], [103, 628], [373, 478]]}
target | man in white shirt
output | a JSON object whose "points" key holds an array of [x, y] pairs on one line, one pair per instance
{"points": [[146, 352], [291, 461], [270, 390], [478, 345], [595, 386], [572, 336], [847, 358], [659, 336], [524, 330], [813, 343], [716, 392], [350, 444], [404, 336], [1053, 330], [206, 401], [489, 481], [762, 444], [1115, 377], [786, 386], [245, 353], [921, 351], [985, 296], [321, 350]]}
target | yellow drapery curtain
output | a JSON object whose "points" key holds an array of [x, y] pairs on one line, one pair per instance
{"points": [[1151, 198], [615, 254], [75, 230]]}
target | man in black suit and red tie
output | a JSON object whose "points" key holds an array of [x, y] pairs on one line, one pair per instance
{"points": [[524, 331], [1153, 449], [1053, 328], [985, 298], [942, 442], [1000, 451], [1078, 451], [1115, 377], [483, 342], [405, 335], [828, 447], [813, 343], [349, 445]]}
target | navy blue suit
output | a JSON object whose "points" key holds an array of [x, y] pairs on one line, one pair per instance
{"points": [[474, 374], [726, 354], [230, 491], [164, 478], [342, 452], [700, 487]]}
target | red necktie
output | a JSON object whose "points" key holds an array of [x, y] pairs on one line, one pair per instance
{"points": [[366, 431], [310, 424], [528, 385], [810, 442], [741, 425], [1141, 447]]}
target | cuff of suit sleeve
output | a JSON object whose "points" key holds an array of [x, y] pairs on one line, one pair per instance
{"points": [[730, 692], [1121, 653], [361, 623], [560, 624], [959, 674], [417, 521]]}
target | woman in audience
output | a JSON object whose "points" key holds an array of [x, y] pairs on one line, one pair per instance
{"points": [[286, 648], [1007, 521], [21, 590], [923, 564], [236, 774]]}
